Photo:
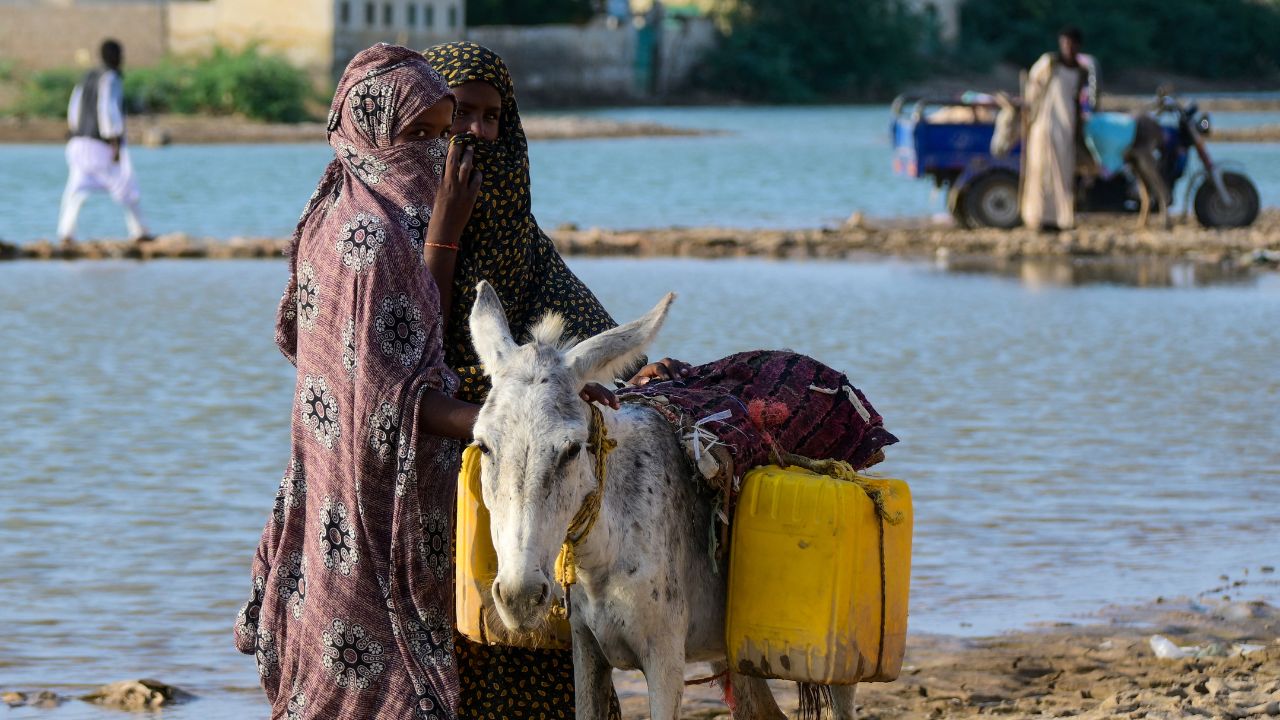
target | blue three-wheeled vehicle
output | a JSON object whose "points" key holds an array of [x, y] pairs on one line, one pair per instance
{"points": [[949, 141]]}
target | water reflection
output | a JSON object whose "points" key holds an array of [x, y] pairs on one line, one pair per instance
{"points": [[1145, 272]]}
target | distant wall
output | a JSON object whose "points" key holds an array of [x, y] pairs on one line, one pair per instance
{"points": [[570, 64], [300, 30], [40, 37], [349, 42], [417, 24], [683, 47]]}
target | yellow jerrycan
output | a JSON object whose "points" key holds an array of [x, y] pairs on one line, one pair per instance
{"points": [[476, 565], [818, 578]]}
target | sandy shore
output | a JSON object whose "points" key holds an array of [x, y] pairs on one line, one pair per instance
{"points": [[1210, 103], [1101, 669], [1104, 666], [1099, 238], [190, 129], [1262, 133], [155, 130]]}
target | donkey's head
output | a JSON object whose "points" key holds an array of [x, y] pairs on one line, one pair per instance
{"points": [[533, 434], [1008, 126]]}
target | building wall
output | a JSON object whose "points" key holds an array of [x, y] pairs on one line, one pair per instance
{"points": [[559, 63], [300, 30], [40, 36], [684, 43], [554, 64], [412, 23], [595, 63]]}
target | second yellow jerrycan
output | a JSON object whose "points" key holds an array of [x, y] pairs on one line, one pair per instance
{"points": [[475, 567], [818, 577]]}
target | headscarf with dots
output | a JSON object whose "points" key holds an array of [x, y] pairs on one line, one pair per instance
{"points": [[502, 243]]}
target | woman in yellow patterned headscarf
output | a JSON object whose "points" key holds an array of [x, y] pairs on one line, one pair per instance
{"points": [[503, 244]]}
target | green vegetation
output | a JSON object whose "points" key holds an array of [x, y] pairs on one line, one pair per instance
{"points": [[812, 50], [1201, 38], [45, 94], [245, 82], [528, 12]]}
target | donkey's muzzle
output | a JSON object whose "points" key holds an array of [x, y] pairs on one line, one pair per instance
{"points": [[522, 603]]}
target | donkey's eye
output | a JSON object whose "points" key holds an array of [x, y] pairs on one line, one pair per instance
{"points": [[484, 449], [570, 453]]}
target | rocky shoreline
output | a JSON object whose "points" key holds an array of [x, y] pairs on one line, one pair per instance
{"points": [[1104, 669], [157, 130], [1098, 238], [1261, 133], [1203, 657]]}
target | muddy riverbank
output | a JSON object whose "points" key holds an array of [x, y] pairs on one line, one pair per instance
{"points": [[156, 130], [1105, 668], [1098, 237]]}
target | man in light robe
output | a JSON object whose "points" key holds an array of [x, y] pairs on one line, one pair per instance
{"points": [[96, 156], [1052, 98]]}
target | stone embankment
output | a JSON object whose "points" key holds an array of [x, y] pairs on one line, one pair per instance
{"points": [[1098, 238], [156, 130]]}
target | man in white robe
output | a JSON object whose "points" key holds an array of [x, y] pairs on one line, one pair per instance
{"points": [[1052, 98], [96, 156]]}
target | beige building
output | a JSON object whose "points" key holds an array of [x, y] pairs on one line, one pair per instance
{"points": [[319, 35]]}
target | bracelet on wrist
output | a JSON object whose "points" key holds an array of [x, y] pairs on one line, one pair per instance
{"points": [[443, 246]]}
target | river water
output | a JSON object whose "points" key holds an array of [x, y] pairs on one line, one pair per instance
{"points": [[767, 167], [1067, 447]]}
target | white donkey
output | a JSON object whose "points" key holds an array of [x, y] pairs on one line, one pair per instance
{"points": [[647, 596]]}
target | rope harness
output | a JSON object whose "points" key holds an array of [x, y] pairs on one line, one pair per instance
{"points": [[600, 445]]}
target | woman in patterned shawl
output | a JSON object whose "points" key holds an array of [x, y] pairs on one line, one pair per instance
{"points": [[503, 244], [352, 582]]}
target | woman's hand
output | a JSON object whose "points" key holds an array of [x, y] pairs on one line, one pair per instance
{"points": [[597, 393], [457, 195], [454, 203], [664, 369]]}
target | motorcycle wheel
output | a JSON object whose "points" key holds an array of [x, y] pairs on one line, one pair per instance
{"points": [[992, 201], [1212, 212]]}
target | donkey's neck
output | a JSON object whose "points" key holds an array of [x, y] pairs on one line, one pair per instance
{"points": [[620, 515]]}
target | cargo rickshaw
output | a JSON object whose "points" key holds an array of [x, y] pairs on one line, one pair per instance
{"points": [[948, 140]]}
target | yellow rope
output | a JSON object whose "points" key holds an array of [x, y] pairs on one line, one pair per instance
{"points": [[600, 445]]}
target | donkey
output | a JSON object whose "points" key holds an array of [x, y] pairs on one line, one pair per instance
{"points": [[647, 595], [1140, 156]]}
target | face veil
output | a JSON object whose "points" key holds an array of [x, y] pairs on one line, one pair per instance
{"points": [[502, 243]]}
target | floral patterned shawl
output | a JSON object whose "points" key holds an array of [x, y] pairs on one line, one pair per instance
{"points": [[502, 243], [351, 609]]}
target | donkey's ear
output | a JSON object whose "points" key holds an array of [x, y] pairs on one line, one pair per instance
{"points": [[601, 358], [490, 333]]}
